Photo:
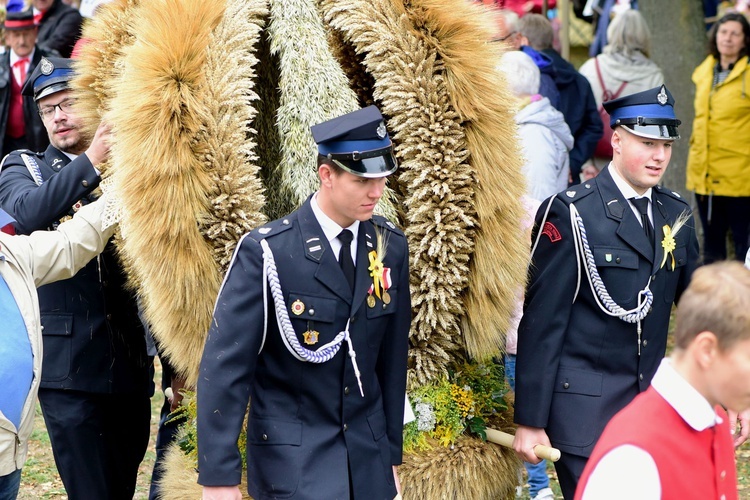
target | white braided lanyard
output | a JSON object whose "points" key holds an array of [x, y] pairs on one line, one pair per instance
{"points": [[599, 291], [33, 167], [323, 353]]}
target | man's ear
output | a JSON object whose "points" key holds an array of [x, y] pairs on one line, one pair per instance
{"points": [[325, 172], [616, 141]]}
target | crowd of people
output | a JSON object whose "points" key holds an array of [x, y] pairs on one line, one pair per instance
{"points": [[612, 252]]}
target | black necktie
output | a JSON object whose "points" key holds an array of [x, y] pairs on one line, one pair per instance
{"points": [[642, 205], [345, 256]]}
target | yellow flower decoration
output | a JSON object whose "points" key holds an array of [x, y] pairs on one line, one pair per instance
{"points": [[668, 244], [376, 271]]}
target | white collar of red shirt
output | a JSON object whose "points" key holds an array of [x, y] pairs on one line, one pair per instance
{"points": [[684, 398]]}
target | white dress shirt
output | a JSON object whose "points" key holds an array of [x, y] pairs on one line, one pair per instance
{"points": [[17, 71], [331, 230], [628, 192]]}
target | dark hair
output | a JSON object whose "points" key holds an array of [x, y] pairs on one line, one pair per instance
{"points": [[731, 16], [323, 160]]}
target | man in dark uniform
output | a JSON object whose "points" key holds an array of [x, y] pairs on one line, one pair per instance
{"points": [[20, 124], [312, 325], [95, 373], [611, 256]]}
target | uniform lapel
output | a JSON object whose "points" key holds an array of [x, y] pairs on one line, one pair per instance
{"points": [[318, 250], [55, 158], [365, 244], [618, 208], [661, 218]]}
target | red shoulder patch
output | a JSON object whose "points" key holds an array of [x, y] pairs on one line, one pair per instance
{"points": [[551, 231]]}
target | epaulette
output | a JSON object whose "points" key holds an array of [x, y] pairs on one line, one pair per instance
{"points": [[670, 193], [575, 193], [381, 221], [272, 228], [17, 153]]}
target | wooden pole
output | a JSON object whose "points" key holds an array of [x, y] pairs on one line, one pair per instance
{"points": [[505, 439], [563, 10]]}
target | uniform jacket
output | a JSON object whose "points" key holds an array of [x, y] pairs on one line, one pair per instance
{"points": [[36, 135], [546, 141], [576, 365], [578, 105], [306, 420], [60, 28], [25, 263], [93, 338], [719, 159], [705, 458]]}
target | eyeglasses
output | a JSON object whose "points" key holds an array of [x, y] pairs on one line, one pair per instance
{"points": [[503, 38], [66, 106]]}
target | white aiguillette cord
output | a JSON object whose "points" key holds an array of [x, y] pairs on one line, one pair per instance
{"points": [[323, 353], [599, 291]]}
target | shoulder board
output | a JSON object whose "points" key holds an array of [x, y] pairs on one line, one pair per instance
{"points": [[272, 228], [575, 193], [671, 194], [14, 157], [381, 221]]}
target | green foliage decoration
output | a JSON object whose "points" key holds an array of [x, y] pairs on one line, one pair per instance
{"points": [[464, 402]]}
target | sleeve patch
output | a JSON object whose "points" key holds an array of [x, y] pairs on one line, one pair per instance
{"points": [[551, 231]]}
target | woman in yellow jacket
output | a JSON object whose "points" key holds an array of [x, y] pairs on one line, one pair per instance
{"points": [[718, 168]]}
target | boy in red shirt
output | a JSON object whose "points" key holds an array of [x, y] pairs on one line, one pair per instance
{"points": [[674, 440]]}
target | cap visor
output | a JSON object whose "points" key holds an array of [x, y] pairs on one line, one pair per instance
{"points": [[662, 132], [371, 168]]}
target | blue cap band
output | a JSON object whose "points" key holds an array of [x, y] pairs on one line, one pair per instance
{"points": [[337, 147], [652, 111]]}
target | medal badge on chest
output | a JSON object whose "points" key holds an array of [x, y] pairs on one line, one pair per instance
{"points": [[311, 337]]}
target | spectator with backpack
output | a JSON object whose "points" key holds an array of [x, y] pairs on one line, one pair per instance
{"points": [[623, 68]]}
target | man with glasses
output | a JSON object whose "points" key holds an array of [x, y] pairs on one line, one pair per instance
{"points": [[95, 384]]}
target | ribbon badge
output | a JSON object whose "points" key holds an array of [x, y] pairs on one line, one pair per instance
{"points": [[381, 279]]}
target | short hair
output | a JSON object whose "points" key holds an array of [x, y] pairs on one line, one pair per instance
{"points": [[718, 301], [521, 73], [538, 30], [731, 16], [627, 34], [323, 160]]}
